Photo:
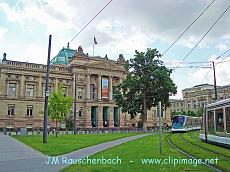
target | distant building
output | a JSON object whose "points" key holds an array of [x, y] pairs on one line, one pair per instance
{"points": [[177, 105], [198, 96]]}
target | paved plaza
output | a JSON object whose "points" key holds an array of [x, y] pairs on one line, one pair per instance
{"points": [[16, 156]]}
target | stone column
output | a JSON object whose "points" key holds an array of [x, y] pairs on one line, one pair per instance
{"points": [[110, 88], [88, 87], [73, 92], [192, 104], [88, 122], [56, 84], [197, 102], [22, 86], [73, 85], [111, 117], [185, 104], [40, 87], [99, 88], [100, 116], [4, 84]]}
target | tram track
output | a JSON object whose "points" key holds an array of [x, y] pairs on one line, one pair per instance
{"points": [[190, 155], [191, 134], [195, 145]]}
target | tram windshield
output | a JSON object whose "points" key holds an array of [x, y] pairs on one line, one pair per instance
{"points": [[178, 122]]}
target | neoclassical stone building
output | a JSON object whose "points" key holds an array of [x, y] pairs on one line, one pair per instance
{"points": [[22, 87], [198, 96]]}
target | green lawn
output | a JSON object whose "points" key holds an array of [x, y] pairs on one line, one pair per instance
{"points": [[222, 163], [193, 137], [147, 147], [68, 143]]}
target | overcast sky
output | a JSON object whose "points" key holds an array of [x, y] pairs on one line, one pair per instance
{"points": [[123, 27]]}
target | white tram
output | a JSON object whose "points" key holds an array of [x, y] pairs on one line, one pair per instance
{"points": [[182, 123], [216, 123]]}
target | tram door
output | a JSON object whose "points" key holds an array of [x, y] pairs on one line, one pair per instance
{"points": [[94, 116]]}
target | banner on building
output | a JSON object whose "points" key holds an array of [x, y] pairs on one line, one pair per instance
{"points": [[105, 88]]}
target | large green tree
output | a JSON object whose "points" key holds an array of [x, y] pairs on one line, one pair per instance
{"points": [[147, 82], [59, 105]]}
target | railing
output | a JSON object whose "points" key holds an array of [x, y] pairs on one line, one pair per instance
{"points": [[36, 66], [51, 131]]}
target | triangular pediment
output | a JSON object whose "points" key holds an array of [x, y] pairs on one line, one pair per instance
{"points": [[105, 65]]}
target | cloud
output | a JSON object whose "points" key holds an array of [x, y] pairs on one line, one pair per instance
{"points": [[122, 27], [48, 13], [222, 47], [2, 32], [152, 18], [206, 75]]}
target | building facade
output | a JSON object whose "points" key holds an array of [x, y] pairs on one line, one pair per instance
{"points": [[198, 96], [22, 89]]}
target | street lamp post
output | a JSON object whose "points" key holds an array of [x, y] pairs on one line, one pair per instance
{"points": [[214, 75], [160, 125], [75, 104], [47, 93]]}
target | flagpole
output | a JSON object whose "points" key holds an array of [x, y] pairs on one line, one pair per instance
{"points": [[93, 48], [94, 43]]}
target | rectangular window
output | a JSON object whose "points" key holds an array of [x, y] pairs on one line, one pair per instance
{"points": [[80, 92], [29, 125], [194, 105], [11, 110], [10, 125], [30, 90], [12, 89], [29, 111]]}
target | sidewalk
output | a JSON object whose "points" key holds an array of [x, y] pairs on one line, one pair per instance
{"points": [[17, 157]]}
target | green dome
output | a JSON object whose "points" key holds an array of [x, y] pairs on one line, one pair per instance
{"points": [[63, 56]]}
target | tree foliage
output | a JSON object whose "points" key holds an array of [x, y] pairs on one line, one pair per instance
{"points": [[198, 112], [59, 105], [147, 82]]}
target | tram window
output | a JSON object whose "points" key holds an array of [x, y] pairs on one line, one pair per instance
{"points": [[210, 120], [227, 113], [219, 120]]}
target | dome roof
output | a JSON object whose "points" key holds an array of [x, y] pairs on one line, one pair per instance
{"points": [[63, 56]]}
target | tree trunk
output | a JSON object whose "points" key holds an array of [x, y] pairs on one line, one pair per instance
{"points": [[56, 127], [145, 113]]}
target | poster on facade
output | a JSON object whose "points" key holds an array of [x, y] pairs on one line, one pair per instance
{"points": [[105, 88]]}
